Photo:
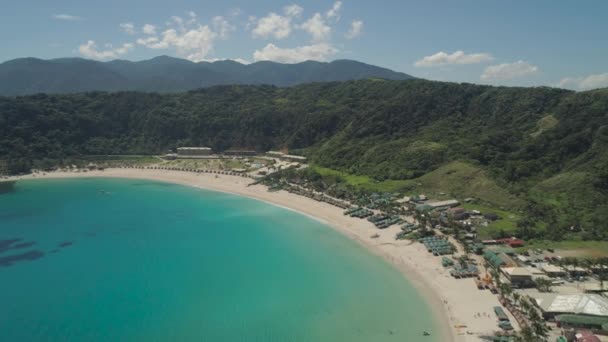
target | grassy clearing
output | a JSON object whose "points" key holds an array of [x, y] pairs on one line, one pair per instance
{"points": [[507, 223], [544, 124], [462, 180], [365, 182], [571, 247], [456, 179]]}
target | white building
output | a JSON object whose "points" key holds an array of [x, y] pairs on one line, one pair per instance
{"points": [[194, 151], [443, 204], [553, 304]]}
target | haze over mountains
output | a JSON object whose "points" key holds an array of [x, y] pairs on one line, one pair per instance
{"points": [[25, 76]]}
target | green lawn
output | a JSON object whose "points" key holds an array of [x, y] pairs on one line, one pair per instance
{"points": [[583, 248], [365, 182], [507, 222]]}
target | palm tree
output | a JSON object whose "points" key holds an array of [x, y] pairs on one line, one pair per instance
{"points": [[587, 264], [516, 298], [496, 276], [506, 290], [538, 324], [603, 263], [543, 285], [526, 335]]}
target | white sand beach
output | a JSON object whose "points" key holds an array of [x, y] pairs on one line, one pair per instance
{"points": [[463, 311]]}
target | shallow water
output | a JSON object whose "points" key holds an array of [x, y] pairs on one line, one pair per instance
{"points": [[132, 260]]}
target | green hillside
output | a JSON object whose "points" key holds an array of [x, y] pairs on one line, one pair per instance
{"points": [[543, 151]]}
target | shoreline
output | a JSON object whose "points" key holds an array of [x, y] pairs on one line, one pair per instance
{"points": [[462, 312]]}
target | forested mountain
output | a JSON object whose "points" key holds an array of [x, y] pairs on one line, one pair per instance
{"points": [[167, 74], [538, 144]]}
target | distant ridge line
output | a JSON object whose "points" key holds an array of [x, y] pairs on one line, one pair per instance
{"points": [[26, 76]]}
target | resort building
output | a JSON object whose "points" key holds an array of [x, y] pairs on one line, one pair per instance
{"points": [[275, 154], [443, 204], [519, 277], [240, 153], [194, 151], [553, 271], [283, 156], [580, 304]]}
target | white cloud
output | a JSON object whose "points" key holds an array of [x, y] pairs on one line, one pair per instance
{"points": [[90, 50], [585, 83], [67, 17], [242, 61], [222, 26], [235, 12], [293, 10], [508, 71], [334, 12], [251, 21], [149, 29], [318, 52], [190, 39], [355, 29], [273, 26], [129, 28], [317, 27], [458, 57]]}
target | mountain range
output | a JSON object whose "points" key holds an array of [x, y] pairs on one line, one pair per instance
{"points": [[166, 74]]}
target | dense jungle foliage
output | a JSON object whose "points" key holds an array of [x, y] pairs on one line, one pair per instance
{"points": [[546, 147]]}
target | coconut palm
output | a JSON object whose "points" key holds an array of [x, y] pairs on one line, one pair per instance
{"points": [[543, 285], [505, 290], [526, 335], [516, 298]]}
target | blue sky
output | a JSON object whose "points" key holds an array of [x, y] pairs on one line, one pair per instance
{"points": [[541, 42]]}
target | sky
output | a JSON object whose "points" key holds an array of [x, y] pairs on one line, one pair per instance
{"points": [[513, 43]]}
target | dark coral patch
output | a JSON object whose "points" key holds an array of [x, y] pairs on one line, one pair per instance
{"points": [[5, 245], [9, 260], [23, 245], [65, 244]]}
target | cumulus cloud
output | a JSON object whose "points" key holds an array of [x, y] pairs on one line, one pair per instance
{"points": [[585, 83], [235, 12], [334, 12], [355, 29], [222, 26], [458, 57], [293, 11], [193, 43], [67, 17], [273, 26], [190, 39], [90, 50], [129, 28], [242, 61], [317, 28], [318, 52], [149, 29], [508, 71]]}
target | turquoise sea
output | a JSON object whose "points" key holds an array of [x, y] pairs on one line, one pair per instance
{"points": [[131, 260]]}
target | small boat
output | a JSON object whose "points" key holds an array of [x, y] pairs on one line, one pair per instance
{"points": [[426, 333]]}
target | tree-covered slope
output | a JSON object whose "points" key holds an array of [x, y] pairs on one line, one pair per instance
{"points": [[538, 144]]}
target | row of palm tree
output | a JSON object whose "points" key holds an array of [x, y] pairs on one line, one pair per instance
{"points": [[535, 330], [589, 264]]}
